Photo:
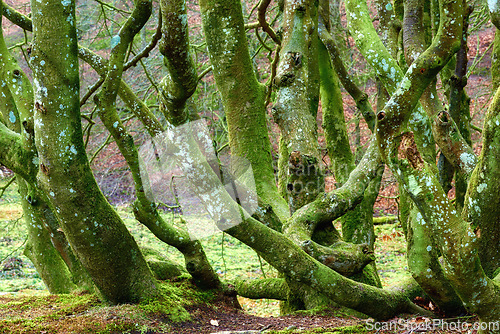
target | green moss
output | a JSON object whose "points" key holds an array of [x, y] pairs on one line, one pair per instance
{"points": [[168, 308], [38, 313], [173, 297]]}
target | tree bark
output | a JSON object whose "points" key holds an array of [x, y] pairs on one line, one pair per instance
{"points": [[91, 225], [242, 96], [295, 109], [462, 266]]}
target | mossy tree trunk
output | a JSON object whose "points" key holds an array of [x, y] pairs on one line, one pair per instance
{"points": [[181, 81], [243, 96], [95, 231], [456, 240], [495, 60], [357, 224], [424, 264], [295, 109], [482, 201], [48, 249]]}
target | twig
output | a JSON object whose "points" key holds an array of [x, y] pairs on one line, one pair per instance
{"points": [[274, 66], [474, 127], [262, 20], [104, 4], [15, 250], [252, 10], [252, 25], [388, 197], [106, 142], [173, 190], [223, 147], [222, 253], [89, 126], [92, 90], [4, 188], [262, 43], [474, 64], [148, 76], [205, 72], [261, 266], [145, 52]]}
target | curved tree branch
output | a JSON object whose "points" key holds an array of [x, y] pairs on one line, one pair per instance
{"points": [[182, 80], [263, 4], [16, 17], [360, 97]]}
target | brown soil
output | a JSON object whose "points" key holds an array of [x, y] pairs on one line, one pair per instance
{"points": [[209, 320]]}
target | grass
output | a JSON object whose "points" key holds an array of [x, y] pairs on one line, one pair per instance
{"points": [[390, 249]]}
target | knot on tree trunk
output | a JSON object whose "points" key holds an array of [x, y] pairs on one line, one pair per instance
{"points": [[304, 180], [302, 173], [408, 150], [292, 61]]}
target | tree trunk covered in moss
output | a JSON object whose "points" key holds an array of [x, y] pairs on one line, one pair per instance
{"points": [[39, 249], [334, 125], [482, 203], [495, 61], [425, 268], [460, 107], [269, 288], [242, 95], [120, 272], [457, 242], [48, 250], [181, 81], [390, 26], [424, 264], [295, 109]]}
